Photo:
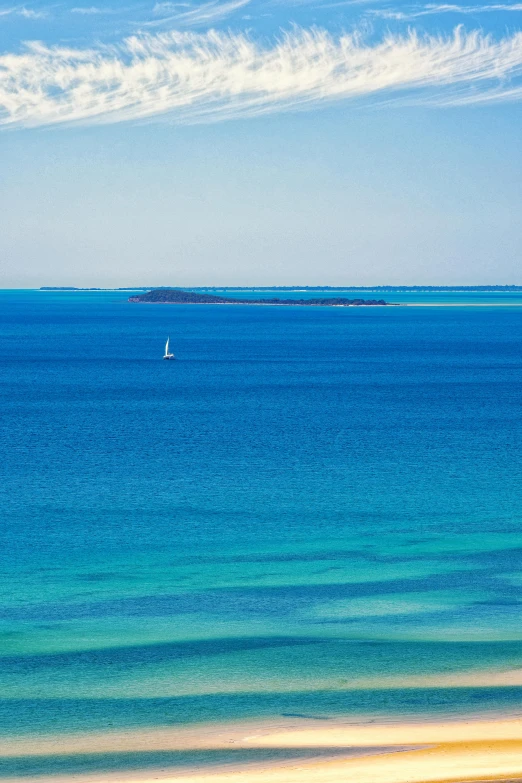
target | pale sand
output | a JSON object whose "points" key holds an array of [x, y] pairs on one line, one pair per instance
{"points": [[452, 304], [436, 752]]}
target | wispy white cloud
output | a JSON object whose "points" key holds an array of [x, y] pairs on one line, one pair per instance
{"points": [[443, 8], [169, 8], [21, 10], [29, 13], [188, 15], [190, 77], [321, 4], [90, 10]]}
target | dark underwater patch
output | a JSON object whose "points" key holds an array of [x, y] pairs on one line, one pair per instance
{"points": [[72, 764], [34, 716]]}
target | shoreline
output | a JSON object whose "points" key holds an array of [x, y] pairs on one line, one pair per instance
{"points": [[266, 304], [458, 304], [388, 304], [291, 751]]}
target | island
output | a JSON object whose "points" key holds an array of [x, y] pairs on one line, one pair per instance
{"points": [[178, 296]]}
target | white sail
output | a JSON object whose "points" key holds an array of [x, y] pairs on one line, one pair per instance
{"points": [[167, 347]]}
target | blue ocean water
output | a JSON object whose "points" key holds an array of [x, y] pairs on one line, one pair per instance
{"points": [[307, 508]]}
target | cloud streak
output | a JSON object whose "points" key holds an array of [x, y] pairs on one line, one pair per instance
{"points": [[444, 8], [187, 16], [27, 13], [189, 77], [91, 10]]}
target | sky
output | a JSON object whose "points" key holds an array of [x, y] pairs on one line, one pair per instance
{"points": [[238, 142]]}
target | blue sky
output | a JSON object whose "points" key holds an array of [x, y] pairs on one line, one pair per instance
{"points": [[261, 141]]}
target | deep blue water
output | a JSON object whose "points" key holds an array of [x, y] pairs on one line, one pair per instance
{"points": [[307, 500]]}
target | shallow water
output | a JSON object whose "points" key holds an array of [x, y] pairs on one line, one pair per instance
{"points": [[307, 502]]}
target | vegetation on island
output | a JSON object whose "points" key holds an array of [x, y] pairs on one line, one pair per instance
{"points": [[177, 296]]}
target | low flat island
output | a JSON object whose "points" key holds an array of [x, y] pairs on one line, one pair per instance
{"points": [[177, 296]]}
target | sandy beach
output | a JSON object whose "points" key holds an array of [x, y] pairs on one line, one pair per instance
{"points": [[454, 304], [416, 752]]}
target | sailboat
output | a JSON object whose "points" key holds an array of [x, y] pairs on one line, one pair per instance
{"points": [[167, 354]]}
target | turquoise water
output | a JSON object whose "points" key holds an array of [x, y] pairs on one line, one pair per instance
{"points": [[307, 508]]}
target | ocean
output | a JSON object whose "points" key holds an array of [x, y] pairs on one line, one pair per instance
{"points": [[313, 512]]}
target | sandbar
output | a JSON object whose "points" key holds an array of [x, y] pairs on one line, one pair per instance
{"points": [[335, 752]]}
